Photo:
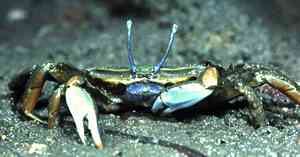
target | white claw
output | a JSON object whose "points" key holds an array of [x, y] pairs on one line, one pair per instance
{"points": [[81, 105]]}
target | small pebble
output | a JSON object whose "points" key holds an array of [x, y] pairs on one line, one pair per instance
{"points": [[117, 153], [3, 137], [37, 148], [298, 140], [16, 14]]}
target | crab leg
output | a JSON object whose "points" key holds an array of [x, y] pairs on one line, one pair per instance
{"points": [[278, 80], [33, 92], [54, 104], [38, 75], [254, 76], [286, 86], [81, 105], [255, 103], [274, 78]]}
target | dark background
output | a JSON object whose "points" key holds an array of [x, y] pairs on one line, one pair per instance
{"points": [[93, 33]]}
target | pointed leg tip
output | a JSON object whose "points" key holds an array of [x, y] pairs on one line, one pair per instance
{"points": [[50, 126], [51, 123], [35, 118]]}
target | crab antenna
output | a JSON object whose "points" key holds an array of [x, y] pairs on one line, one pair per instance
{"points": [[171, 41], [130, 48]]}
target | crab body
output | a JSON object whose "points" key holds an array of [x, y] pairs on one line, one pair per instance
{"points": [[159, 88], [144, 89]]}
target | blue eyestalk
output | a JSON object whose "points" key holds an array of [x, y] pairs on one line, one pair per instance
{"points": [[132, 65], [157, 67], [171, 41]]}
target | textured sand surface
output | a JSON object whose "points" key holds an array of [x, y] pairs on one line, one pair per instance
{"points": [[94, 34]]}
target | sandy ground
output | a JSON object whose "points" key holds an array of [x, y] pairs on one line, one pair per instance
{"points": [[93, 33]]}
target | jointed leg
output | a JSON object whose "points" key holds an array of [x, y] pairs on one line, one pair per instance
{"points": [[54, 105], [32, 93], [256, 75], [281, 82], [288, 112], [245, 77], [255, 104], [50, 71]]}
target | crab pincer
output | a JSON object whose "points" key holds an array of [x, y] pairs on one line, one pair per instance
{"points": [[180, 97], [81, 106], [186, 95]]}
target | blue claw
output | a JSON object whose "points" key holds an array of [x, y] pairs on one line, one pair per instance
{"points": [[180, 97]]}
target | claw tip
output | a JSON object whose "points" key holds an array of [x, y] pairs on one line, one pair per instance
{"points": [[99, 145]]}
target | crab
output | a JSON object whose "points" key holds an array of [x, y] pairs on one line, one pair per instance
{"points": [[162, 89]]}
